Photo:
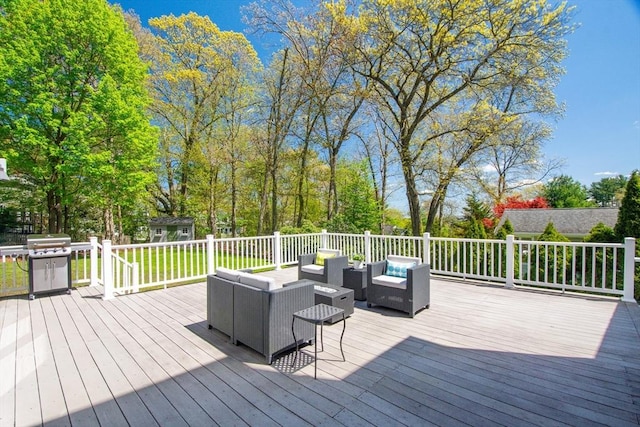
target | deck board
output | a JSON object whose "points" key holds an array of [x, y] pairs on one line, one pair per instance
{"points": [[480, 355]]}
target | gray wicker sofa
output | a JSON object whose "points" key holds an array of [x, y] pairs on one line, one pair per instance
{"points": [[253, 310]]}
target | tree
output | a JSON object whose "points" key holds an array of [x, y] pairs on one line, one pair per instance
{"points": [[332, 94], [550, 234], [513, 160], [601, 233], [425, 60], [199, 77], [476, 218], [628, 224], [505, 230], [565, 192], [64, 66], [516, 202], [358, 209], [608, 191]]}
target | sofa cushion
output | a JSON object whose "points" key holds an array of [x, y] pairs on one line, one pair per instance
{"points": [[398, 269], [391, 281], [226, 273], [313, 269], [257, 281]]}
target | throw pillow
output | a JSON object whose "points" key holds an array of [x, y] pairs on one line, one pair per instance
{"points": [[398, 269], [321, 256]]}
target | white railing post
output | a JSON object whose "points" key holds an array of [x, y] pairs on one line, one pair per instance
{"points": [[135, 281], [324, 239], [277, 247], [210, 250], [426, 248], [367, 247], [510, 263], [629, 268], [107, 271], [93, 261]]}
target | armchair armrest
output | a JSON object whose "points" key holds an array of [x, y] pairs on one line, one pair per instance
{"points": [[375, 269], [418, 277], [333, 268], [306, 259]]}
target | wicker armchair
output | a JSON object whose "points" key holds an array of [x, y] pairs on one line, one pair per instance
{"points": [[386, 288], [331, 270]]}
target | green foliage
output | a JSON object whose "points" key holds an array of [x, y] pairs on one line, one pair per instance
{"points": [[475, 230], [307, 228], [550, 234], [601, 233], [505, 230], [476, 214], [72, 122], [565, 192], [358, 209], [628, 224], [607, 191]]}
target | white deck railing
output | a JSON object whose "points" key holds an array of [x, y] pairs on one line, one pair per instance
{"points": [[605, 268]]}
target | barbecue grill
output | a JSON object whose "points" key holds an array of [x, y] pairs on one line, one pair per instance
{"points": [[49, 263]]}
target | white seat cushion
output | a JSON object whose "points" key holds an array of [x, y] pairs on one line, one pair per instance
{"points": [[313, 269], [391, 281]]}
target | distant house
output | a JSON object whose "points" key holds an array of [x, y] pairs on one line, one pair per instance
{"points": [[574, 223], [169, 229]]}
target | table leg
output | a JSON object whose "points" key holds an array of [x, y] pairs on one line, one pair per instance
{"points": [[344, 326], [293, 331], [315, 338], [321, 339]]}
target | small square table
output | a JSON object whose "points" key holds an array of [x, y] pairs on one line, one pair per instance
{"points": [[356, 279], [318, 315]]}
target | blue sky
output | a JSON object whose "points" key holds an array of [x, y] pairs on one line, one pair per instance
{"points": [[599, 134]]}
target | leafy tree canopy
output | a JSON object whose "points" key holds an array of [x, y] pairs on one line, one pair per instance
{"points": [[608, 191], [516, 202], [565, 192]]}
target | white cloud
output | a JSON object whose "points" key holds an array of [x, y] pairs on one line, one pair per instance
{"points": [[488, 168], [606, 174]]}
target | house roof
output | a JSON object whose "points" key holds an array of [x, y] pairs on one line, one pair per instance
{"points": [[569, 221], [166, 220]]}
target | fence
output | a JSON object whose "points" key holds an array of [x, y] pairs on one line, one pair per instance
{"points": [[605, 268]]}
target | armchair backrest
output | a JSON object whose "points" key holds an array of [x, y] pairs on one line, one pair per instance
{"points": [[337, 252], [404, 259]]}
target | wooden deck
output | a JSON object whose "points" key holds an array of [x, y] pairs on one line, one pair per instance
{"points": [[481, 355]]}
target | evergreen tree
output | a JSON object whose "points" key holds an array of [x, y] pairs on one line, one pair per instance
{"points": [[550, 234], [505, 230], [628, 224], [601, 233]]}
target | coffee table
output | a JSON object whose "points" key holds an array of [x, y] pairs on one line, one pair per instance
{"points": [[318, 315]]}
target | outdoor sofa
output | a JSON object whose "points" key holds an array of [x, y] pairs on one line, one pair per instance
{"points": [[253, 310]]}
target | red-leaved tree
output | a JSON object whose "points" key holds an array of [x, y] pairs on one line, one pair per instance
{"points": [[516, 202]]}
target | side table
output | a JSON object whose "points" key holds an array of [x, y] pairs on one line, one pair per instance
{"points": [[356, 279], [318, 315]]}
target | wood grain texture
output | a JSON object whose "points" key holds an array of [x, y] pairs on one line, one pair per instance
{"points": [[480, 355]]}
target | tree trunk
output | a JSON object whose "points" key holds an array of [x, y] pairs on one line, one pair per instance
{"points": [[413, 198]]}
